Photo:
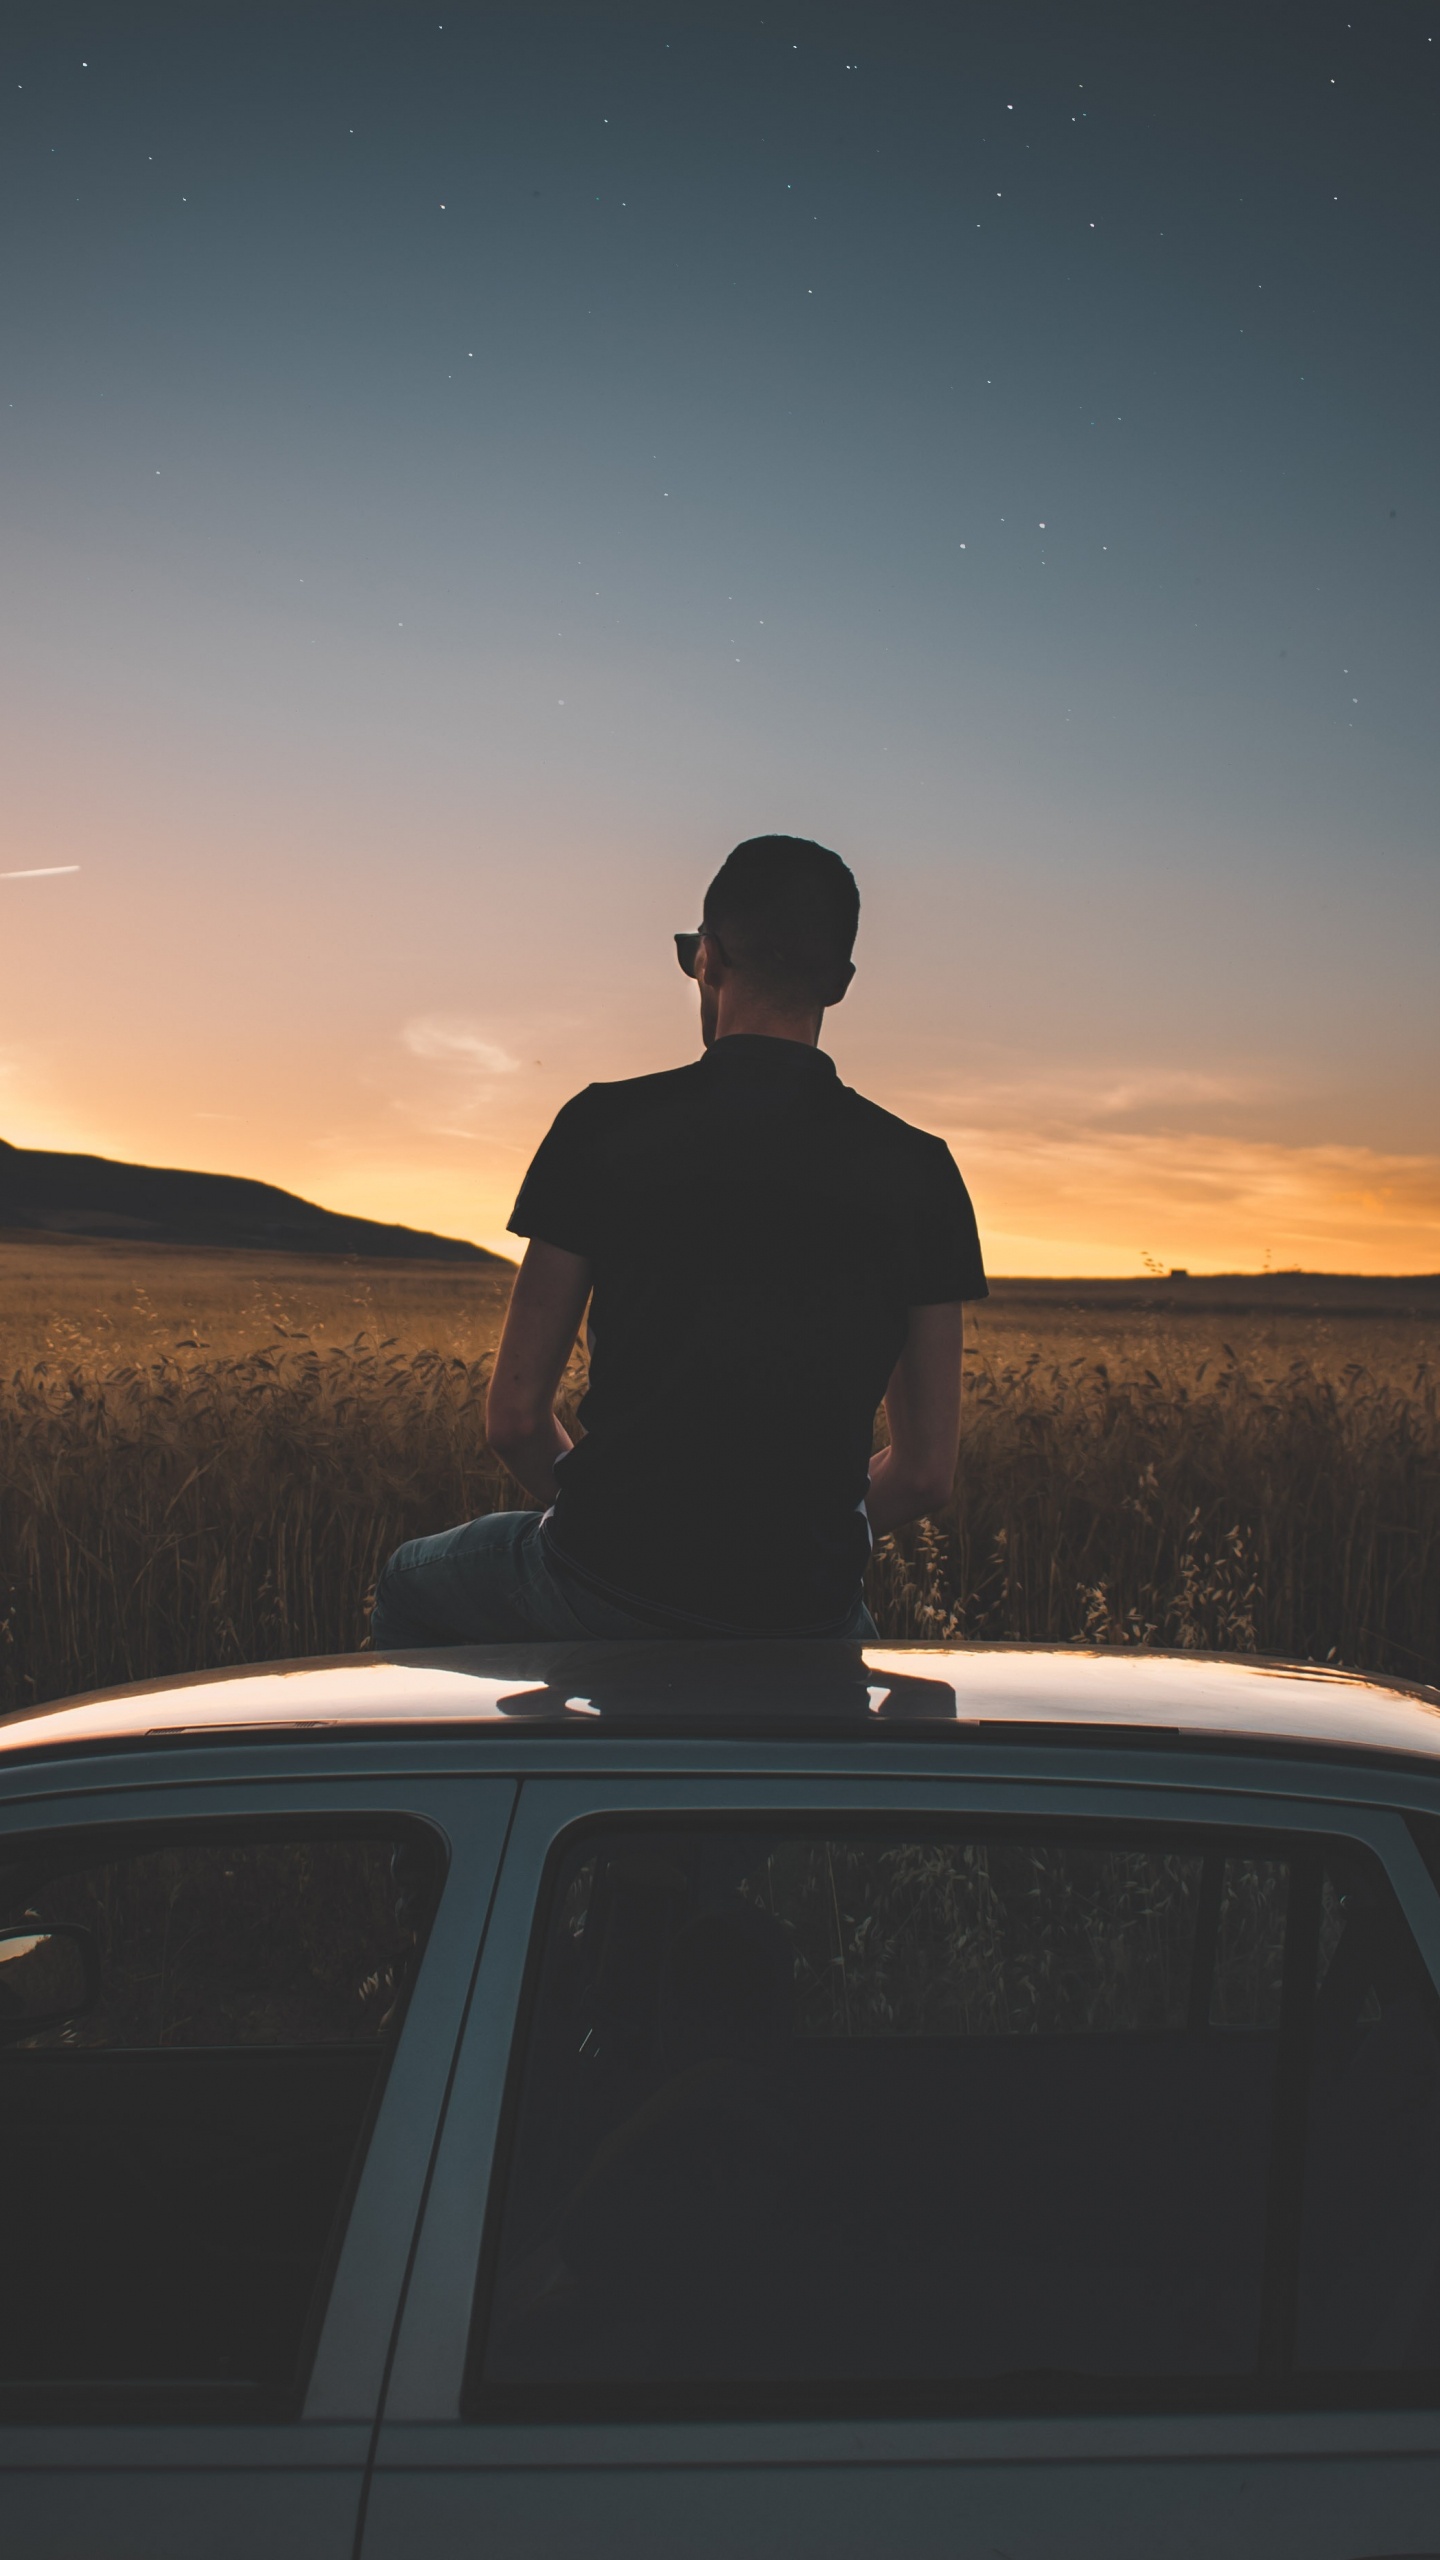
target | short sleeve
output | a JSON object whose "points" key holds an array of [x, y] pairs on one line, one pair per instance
{"points": [[945, 1262], [557, 1203]]}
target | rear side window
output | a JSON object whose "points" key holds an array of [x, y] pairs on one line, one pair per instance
{"points": [[193, 2030], [860, 2120]]}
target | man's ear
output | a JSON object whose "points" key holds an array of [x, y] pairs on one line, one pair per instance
{"points": [[841, 985]]}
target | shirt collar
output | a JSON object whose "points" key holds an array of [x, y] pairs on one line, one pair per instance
{"points": [[753, 1053]]}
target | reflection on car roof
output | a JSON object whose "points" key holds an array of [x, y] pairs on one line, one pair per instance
{"points": [[751, 1687]]}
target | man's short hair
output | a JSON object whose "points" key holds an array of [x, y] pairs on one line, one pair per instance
{"points": [[787, 912]]}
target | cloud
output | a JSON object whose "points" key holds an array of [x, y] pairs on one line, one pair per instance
{"points": [[44, 871], [1096, 1199], [1092, 1170], [459, 1046], [1081, 1098], [461, 1073]]}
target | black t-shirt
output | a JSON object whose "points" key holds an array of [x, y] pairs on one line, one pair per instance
{"points": [[756, 1233]]}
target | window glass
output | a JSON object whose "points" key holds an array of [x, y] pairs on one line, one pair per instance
{"points": [[980, 1938], [192, 2031], [856, 2118], [1369, 2271], [1249, 1942]]}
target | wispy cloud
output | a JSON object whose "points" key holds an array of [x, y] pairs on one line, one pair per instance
{"points": [[1081, 1097], [464, 1069], [1099, 1199], [1094, 1170], [459, 1046], [43, 871]]}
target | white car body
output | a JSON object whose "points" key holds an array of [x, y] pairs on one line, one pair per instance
{"points": [[505, 1755]]}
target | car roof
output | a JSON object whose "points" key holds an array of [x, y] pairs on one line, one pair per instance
{"points": [[754, 1687]]}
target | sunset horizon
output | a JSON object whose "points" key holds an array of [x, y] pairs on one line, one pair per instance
{"points": [[1190, 1200], [461, 481]]}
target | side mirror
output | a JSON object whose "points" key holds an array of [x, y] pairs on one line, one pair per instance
{"points": [[49, 1975]]}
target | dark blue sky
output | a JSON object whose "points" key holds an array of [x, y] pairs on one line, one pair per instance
{"points": [[463, 469]]}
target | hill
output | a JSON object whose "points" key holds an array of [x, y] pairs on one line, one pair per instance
{"points": [[152, 1204]]}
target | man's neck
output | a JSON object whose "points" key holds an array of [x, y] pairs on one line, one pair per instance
{"points": [[739, 1014]]}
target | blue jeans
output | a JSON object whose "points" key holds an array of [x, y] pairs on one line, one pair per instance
{"points": [[492, 1581]]}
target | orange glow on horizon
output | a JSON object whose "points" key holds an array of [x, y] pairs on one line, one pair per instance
{"points": [[1053, 1200]]}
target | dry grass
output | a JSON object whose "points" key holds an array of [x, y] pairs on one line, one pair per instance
{"points": [[1296, 1514], [78, 1301], [203, 1484]]}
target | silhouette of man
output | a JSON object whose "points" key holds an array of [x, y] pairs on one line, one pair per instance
{"points": [[765, 1256]]}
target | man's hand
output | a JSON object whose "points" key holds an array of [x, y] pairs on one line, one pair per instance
{"points": [[916, 1473], [546, 1305]]}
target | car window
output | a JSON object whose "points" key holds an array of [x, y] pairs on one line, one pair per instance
{"points": [[193, 2027], [837, 2119], [1368, 2227]]}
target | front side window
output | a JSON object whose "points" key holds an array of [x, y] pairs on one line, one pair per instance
{"points": [[193, 2027], [877, 2119]]}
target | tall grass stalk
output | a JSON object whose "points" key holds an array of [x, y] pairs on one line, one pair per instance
{"points": [[197, 1512], [1297, 1515]]}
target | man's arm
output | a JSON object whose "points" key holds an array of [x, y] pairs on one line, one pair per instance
{"points": [[916, 1473], [546, 1305]]}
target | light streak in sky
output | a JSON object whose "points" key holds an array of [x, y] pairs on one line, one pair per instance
{"points": [[45, 871]]}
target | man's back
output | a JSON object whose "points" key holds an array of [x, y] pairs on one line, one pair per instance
{"points": [[756, 1233], [765, 1257]]}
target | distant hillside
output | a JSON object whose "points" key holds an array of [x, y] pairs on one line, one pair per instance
{"points": [[93, 1196]]}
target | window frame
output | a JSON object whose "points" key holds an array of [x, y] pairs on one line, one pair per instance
{"points": [[340, 2367], [117, 2401], [1106, 1815]]}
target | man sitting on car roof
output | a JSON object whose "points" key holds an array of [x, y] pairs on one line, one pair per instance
{"points": [[765, 1256]]}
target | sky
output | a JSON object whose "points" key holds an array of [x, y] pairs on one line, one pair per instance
{"points": [[461, 470]]}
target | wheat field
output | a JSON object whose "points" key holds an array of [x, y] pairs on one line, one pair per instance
{"points": [[205, 1458]]}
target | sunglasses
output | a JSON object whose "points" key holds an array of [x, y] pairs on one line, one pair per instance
{"points": [[687, 949]]}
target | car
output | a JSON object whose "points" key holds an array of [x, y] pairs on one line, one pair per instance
{"points": [[768, 2098]]}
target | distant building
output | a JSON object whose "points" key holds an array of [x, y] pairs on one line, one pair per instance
{"points": [[1179, 1275]]}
